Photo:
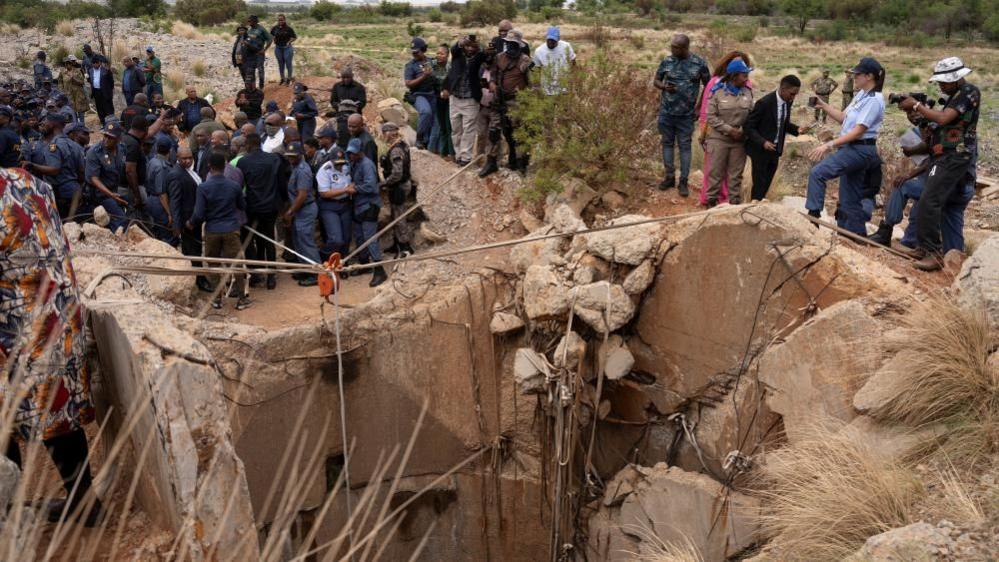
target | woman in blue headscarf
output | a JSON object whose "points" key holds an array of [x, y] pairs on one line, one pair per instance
{"points": [[728, 108], [856, 158]]}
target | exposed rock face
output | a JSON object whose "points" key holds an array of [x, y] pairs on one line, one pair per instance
{"points": [[530, 369], [616, 358], [978, 281], [542, 252], [606, 307], [626, 245], [639, 278], [881, 387], [675, 506], [505, 323], [570, 349], [173, 288], [192, 482], [10, 475], [919, 541], [546, 294], [815, 373]]}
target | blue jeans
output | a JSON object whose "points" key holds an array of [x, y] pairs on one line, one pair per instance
{"points": [[337, 217], [676, 130], [261, 60], [154, 207], [425, 106], [284, 56], [364, 230], [305, 231], [115, 212], [850, 164], [152, 88]]}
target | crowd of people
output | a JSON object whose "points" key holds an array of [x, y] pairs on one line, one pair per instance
{"points": [[734, 125]]}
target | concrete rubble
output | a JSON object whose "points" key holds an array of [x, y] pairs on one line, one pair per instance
{"points": [[978, 281], [919, 541]]}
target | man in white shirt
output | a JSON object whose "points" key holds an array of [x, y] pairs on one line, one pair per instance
{"points": [[553, 58], [274, 132]]}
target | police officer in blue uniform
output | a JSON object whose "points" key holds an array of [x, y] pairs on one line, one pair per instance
{"points": [[367, 204], [157, 198], [105, 174], [10, 141], [53, 159]]}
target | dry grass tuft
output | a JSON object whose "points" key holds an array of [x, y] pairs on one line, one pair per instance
{"points": [[945, 378], [174, 79], [186, 30], [119, 50], [65, 28], [198, 67], [828, 493], [9, 29], [958, 504], [654, 549]]}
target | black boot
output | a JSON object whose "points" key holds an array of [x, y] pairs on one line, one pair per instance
{"points": [[669, 181], [204, 285], [271, 281], [490, 168], [683, 189], [883, 235], [513, 163], [378, 277]]}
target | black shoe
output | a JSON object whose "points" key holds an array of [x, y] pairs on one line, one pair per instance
{"points": [[256, 280], [490, 168], [90, 519], [883, 235], [683, 189], [932, 261], [310, 281], [243, 303], [404, 250], [816, 214], [379, 276], [463, 163], [393, 249], [271, 282], [204, 285], [668, 182], [217, 302], [421, 146]]}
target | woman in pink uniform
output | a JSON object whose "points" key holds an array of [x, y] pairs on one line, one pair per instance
{"points": [[717, 75]]}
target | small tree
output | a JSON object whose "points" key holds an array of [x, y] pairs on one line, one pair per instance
{"points": [[208, 12], [803, 11]]}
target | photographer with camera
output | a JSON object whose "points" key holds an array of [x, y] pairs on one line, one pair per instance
{"points": [[953, 155], [857, 152]]}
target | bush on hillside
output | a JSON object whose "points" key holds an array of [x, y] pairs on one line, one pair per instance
{"points": [[488, 12], [395, 9], [324, 10], [208, 12]]}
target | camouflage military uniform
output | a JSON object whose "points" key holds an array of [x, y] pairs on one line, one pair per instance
{"points": [[399, 185], [847, 89], [676, 109], [823, 87]]}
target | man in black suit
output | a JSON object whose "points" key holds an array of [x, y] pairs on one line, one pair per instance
{"points": [[102, 82], [766, 127], [182, 189]]}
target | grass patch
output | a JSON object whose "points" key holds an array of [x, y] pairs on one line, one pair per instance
{"points": [[828, 493], [174, 79], [65, 28], [198, 68], [185, 30], [944, 377], [657, 550]]}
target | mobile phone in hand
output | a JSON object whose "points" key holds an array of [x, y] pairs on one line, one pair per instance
{"points": [[813, 101]]}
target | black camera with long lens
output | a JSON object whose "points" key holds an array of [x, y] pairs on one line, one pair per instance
{"points": [[918, 96]]}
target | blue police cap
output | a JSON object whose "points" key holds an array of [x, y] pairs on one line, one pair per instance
{"points": [[354, 146]]}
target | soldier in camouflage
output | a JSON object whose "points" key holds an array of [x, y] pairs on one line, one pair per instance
{"points": [[680, 77], [399, 185], [823, 88]]}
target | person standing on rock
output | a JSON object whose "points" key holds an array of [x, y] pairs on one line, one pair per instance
{"points": [[728, 109], [217, 205], [102, 88], [508, 75], [554, 58], [348, 89], [153, 70], [464, 94], [419, 79], [40, 70], [283, 36], [954, 156], [132, 80], [857, 150], [258, 41], [440, 134], [71, 82], [43, 343], [304, 110], [847, 89], [302, 212], [367, 205], [823, 88], [250, 100], [679, 77], [399, 186], [768, 125]]}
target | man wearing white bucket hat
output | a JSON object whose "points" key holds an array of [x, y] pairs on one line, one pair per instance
{"points": [[954, 152]]}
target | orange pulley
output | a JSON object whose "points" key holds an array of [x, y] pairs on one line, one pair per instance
{"points": [[329, 279]]}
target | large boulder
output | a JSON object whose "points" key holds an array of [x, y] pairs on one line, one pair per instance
{"points": [[173, 288], [604, 306], [546, 295], [919, 541], [626, 245], [674, 506], [815, 373], [978, 281], [10, 475], [543, 252]]}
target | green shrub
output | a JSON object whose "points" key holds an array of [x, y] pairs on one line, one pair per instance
{"points": [[450, 7], [488, 12], [595, 132], [745, 33], [324, 10], [435, 15], [395, 9], [991, 27], [207, 12]]}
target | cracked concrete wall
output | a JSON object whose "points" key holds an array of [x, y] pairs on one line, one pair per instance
{"points": [[192, 483]]}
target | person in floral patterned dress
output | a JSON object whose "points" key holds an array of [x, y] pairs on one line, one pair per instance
{"points": [[45, 379]]}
